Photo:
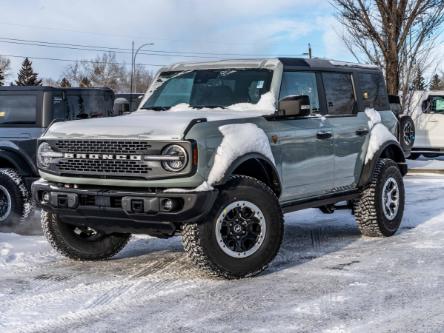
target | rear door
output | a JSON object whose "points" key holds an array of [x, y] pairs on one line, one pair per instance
{"points": [[306, 143], [350, 128]]}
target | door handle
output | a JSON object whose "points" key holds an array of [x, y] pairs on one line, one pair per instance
{"points": [[322, 135], [362, 131]]}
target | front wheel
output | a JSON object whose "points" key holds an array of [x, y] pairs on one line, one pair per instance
{"points": [[80, 243], [380, 208], [242, 234]]}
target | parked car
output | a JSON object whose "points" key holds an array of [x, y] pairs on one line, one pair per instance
{"points": [[25, 113], [427, 111], [219, 152]]}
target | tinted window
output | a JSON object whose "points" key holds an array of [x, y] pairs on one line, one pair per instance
{"points": [[88, 105], [301, 83], [339, 93], [373, 90], [58, 108], [18, 109]]}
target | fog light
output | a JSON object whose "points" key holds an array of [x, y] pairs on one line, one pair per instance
{"points": [[168, 204], [45, 197]]}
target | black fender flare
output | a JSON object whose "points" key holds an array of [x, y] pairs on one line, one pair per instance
{"points": [[19, 162], [390, 149], [268, 166]]}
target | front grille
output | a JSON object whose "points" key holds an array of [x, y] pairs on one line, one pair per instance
{"points": [[102, 146], [108, 167]]}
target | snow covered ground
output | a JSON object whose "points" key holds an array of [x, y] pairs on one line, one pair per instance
{"points": [[326, 278], [424, 164]]}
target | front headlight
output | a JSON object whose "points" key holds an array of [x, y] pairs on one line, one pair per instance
{"points": [[176, 158], [45, 154]]}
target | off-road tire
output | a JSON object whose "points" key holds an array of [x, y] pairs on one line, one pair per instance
{"points": [[200, 242], [368, 209], [62, 238], [20, 203]]}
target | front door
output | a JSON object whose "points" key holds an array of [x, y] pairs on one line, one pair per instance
{"points": [[306, 144]]}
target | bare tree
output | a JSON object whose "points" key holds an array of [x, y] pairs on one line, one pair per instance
{"points": [[396, 35], [106, 71], [5, 65]]}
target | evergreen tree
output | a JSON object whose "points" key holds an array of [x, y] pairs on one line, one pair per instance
{"points": [[2, 78], [27, 76], [65, 83], [419, 81], [436, 83], [85, 83]]}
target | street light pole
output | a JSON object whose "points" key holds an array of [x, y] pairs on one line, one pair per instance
{"points": [[133, 61]]}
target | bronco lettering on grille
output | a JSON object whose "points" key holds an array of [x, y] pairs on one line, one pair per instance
{"points": [[103, 156]]}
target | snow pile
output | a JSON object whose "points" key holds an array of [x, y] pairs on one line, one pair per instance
{"points": [[379, 134], [265, 105], [239, 139]]}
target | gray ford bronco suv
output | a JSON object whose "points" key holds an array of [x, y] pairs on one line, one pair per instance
{"points": [[218, 152]]}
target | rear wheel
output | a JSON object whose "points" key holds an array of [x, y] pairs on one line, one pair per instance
{"points": [[81, 243], [242, 234], [380, 208], [15, 199]]}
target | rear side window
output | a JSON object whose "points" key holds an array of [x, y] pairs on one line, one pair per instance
{"points": [[298, 84], [374, 93], [339, 93], [18, 109]]}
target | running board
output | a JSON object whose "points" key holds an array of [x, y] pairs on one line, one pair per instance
{"points": [[320, 201]]}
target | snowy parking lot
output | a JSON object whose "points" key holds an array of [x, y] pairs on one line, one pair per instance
{"points": [[326, 278]]}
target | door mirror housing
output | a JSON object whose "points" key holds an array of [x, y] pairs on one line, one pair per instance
{"points": [[294, 106]]}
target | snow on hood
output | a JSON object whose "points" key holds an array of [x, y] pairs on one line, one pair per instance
{"points": [[142, 124], [265, 106], [379, 134]]}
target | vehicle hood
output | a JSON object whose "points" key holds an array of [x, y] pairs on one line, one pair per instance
{"points": [[142, 124]]}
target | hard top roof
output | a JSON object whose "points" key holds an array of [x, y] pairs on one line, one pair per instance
{"points": [[49, 88], [270, 63]]}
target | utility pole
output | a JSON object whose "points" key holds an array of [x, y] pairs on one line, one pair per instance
{"points": [[309, 53]]}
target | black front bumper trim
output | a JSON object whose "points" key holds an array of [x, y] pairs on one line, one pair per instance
{"points": [[128, 211]]}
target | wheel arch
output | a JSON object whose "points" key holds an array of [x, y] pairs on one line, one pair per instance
{"points": [[10, 159], [392, 150], [257, 166]]}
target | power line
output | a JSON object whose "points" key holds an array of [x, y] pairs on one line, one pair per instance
{"points": [[70, 60], [186, 54]]}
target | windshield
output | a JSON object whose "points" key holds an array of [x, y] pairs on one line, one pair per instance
{"points": [[437, 104], [209, 88]]}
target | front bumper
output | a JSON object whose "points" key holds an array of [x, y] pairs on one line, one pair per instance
{"points": [[126, 211]]}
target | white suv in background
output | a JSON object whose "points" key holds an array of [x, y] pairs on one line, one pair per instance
{"points": [[427, 111]]}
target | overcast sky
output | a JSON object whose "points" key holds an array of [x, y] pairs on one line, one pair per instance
{"points": [[252, 27]]}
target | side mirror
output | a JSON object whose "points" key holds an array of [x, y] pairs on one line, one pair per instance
{"points": [[294, 106]]}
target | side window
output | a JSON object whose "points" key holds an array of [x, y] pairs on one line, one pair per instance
{"points": [[18, 109], [339, 93], [437, 104], [374, 94], [301, 83]]}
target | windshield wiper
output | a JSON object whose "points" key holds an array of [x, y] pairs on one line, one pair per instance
{"points": [[157, 108], [208, 107]]}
